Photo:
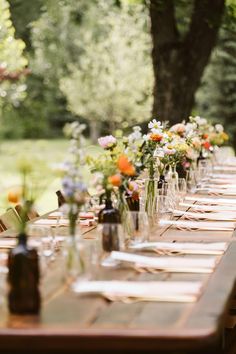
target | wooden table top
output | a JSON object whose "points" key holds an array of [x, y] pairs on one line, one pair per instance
{"points": [[91, 323]]}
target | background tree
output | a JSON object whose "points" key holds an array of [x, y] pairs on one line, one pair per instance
{"points": [[216, 97], [112, 79], [12, 60], [180, 56]]}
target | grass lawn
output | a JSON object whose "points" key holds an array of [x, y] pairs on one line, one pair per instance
{"points": [[52, 151]]}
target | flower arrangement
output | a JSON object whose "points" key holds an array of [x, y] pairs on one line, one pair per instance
{"points": [[73, 187]]}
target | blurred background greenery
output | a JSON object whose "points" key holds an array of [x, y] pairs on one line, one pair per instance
{"points": [[91, 60]]}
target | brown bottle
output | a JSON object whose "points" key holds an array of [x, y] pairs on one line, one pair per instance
{"points": [[109, 217], [23, 279]]}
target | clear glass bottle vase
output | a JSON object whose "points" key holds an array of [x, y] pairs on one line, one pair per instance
{"points": [[151, 187]]}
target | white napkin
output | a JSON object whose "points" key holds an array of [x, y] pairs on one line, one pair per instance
{"points": [[210, 208], [55, 215], [171, 291], [52, 222], [219, 201], [225, 168], [201, 225], [8, 243], [224, 176], [222, 181], [171, 264], [222, 186], [208, 216], [215, 248]]}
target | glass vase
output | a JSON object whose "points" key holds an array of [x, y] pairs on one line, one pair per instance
{"points": [[74, 261], [151, 185], [173, 177]]}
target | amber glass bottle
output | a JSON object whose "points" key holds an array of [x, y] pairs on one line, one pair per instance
{"points": [[110, 218], [23, 279]]}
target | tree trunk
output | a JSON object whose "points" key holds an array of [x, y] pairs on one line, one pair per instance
{"points": [[95, 129], [179, 63]]}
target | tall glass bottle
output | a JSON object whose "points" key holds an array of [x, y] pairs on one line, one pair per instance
{"points": [[23, 279], [110, 218]]}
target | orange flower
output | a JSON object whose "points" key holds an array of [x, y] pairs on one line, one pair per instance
{"points": [[156, 137], [115, 180], [125, 166], [206, 145], [14, 195], [205, 136]]}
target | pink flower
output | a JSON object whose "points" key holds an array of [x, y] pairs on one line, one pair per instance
{"points": [[107, 142]]}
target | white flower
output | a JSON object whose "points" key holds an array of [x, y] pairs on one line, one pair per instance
{"points": [[156, 131], [178, 128], [219, 128], [169, 150], [146, 137], [136, 135], [159, 152], [200, 121], [155, 124]]}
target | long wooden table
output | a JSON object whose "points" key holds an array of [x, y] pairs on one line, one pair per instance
{"points": [[69, 323]]}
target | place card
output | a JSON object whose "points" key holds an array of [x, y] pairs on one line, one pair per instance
{"points": [[132, 291], [199, 225], [213, 248], [167, 264], [207, 216]]}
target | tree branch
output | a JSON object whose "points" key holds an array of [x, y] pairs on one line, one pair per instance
{"points": [[204, 26]]}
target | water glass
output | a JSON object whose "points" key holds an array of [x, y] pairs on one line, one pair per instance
{"points": [[111, 237], [136, 226], [191, 181], [165, 207], [182, 186]]}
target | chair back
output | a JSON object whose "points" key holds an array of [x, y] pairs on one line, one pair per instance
{"points": [[10, 219]]}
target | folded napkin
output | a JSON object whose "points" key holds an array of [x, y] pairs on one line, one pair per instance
{"points": [[199, 225], [214, 201], [170, 291], [210, 208], [55, 215], [169, 264], [225, 168], [52, 222], [223, 181], [224, 176], [216, 248], [226, 216], [7, 243], [230, 186]]}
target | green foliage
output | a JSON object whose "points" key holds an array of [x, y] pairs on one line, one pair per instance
{"points": [[217, 97], [100, 55], [12, 60]]}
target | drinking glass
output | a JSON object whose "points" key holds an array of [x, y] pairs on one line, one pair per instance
{"points": [[182, 186], [191, 181], [111, 237], [164, 208], [137, 226]]}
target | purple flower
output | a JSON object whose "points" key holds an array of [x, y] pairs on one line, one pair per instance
{"points": [[107, 142]]}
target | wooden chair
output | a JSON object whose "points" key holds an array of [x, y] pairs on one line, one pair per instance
{"points": [[31, 215], [2, 226], [10, 219], [60, 198]]}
